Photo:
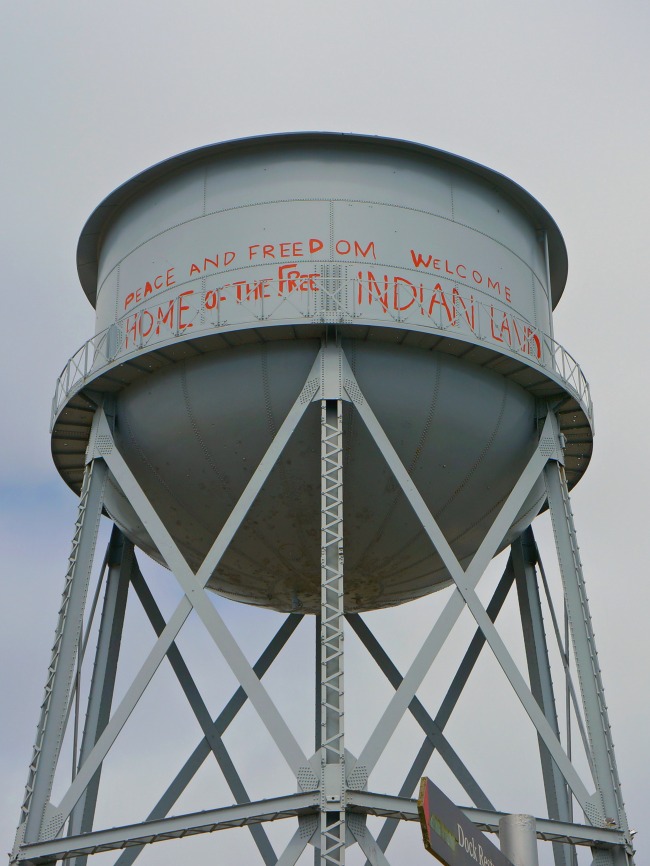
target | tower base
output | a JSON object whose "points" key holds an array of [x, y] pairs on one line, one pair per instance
{"points": [[335, 794]]}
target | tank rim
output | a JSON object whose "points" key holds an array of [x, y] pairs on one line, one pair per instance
{"points": [[97, 224]]}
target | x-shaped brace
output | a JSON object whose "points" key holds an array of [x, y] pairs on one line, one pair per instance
{"points": [[465, 593]]}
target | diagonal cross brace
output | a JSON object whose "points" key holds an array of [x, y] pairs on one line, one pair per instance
{"points": [[454, 607], [201, 713], [564, 654], [464, 595], [434, 728], [369, 846], [294, 849], [219, 727], [193, 586], [435, 739], [195, 589]]}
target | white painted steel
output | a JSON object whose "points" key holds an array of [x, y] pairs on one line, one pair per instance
{"points": [[606, 806], [214, 277], [234, 288], [524, 557], [331, 784], [119, 560], [58, 687], [332, 739]]}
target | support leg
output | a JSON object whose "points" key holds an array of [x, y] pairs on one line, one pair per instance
{"points": [[524, 556], [608, 807], [54, 709], [119, 562]]}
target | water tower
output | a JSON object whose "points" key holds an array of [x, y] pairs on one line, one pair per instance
{"points": [[323, 381]]}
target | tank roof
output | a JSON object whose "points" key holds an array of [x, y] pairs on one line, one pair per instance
{"points": [[93, 231]]}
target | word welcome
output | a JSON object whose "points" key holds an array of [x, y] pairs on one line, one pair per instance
{"points": [[461, 271]]}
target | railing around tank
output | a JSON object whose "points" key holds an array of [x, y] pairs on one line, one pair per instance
{"points": [[123, 340], [566, 366]]}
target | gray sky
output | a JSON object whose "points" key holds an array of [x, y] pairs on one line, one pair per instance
{"points": [[553, 95]]}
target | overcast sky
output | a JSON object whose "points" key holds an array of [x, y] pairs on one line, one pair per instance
{"points": [[554, 95]]}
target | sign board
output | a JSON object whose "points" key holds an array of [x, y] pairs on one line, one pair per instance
{"points": [[451, 837]]}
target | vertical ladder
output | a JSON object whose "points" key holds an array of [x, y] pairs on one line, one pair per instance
{"points": [[332, 750]]}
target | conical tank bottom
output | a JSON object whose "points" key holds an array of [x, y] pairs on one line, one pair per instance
{"points": [[194, 433]]}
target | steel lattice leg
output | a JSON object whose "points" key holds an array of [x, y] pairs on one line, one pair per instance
{"points": [[119, 561], [332, 751], [54, 709], [524, 558], [607, 804]]}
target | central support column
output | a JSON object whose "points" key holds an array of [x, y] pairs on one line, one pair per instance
{"points": [[332, 749]]}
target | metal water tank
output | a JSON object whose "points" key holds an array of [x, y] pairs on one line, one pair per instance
{"points": [[217, 274]]}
